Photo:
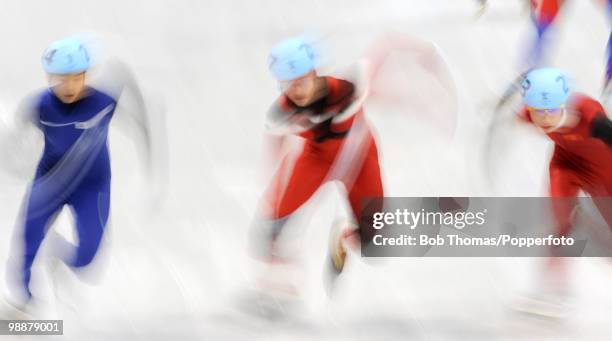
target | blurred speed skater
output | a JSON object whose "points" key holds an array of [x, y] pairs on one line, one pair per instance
{"points": [[582, 158], [581, 161], [74, 168], [338, 146], [543, 14]]}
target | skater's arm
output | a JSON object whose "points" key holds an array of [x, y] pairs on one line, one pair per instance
{"points": [[140, 118], [601, 128], [113, 78], [26, 114], [283, 120], [593, 113], [358, 89], [20, 138], [132, 116]]}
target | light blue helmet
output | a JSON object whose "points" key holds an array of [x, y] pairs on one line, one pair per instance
{"points": [[66, 56], [292, 58], [545, 88]]}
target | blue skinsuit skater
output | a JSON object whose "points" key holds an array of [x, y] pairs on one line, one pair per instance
{"points": [[86, 190], [74, 169]]}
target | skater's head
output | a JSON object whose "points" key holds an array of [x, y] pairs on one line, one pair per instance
{"points": [[305, 90], [293, 64], [548, 120], [66, 62], [68, 88], [545, 93]]}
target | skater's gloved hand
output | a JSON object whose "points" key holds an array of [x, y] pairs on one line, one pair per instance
{"points": [[601, 128]]}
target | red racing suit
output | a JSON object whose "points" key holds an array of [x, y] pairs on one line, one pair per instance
{"points": [[580, 161], [296, 182]]}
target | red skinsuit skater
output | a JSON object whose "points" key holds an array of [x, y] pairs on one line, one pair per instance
{"points": [[296, 182], [582, 160]]}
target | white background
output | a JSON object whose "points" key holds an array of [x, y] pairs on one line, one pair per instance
{"points": [[176, 271]]}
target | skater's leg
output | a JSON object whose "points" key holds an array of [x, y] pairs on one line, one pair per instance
{"points": [[602, 198], [608, 74], [550, 292], [367, 185], [91, 205], [564, 187], [305, 178], [291, 187], [277, 268], [356, 233], [544, 14], [35, 225], [606, 92]]}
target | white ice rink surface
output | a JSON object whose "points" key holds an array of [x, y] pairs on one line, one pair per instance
{"points": [[177, 271]]}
